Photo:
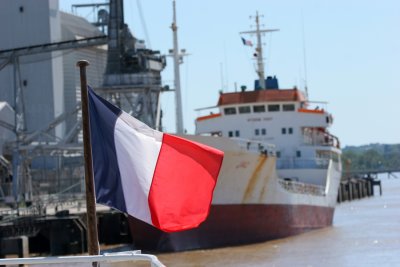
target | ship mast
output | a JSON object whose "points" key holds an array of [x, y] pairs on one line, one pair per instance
{"points": [[259, 50], [177, 83]]}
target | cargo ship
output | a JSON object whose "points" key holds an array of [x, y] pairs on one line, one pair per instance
{"points": [[280, 174]]}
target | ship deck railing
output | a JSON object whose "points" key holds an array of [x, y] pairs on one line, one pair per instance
{"points": [[256, 146], [295, 163], [74, 260], [302, 188], [315, 137]]}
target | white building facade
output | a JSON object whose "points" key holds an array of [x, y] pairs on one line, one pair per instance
{"points": [[49, 81]]}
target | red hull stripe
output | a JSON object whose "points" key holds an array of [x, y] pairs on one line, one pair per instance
{"points": [[183, 183], [240, 224]]}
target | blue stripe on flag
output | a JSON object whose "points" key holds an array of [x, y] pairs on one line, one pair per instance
{"points": [[103, 117]]}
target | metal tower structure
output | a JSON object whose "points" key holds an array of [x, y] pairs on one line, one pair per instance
{"points": [[177, 79], [132, 80], [41, 143]]}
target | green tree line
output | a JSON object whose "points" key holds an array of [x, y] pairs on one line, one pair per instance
{"points": [[373, 156]]}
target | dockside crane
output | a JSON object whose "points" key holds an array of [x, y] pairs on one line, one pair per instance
{"points": [[132, 81]]}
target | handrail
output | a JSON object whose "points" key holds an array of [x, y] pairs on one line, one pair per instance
{"points": [[256, 146], [206, 117], [303, 163], [302, 188], [323, 138], [315, 111], [107, 257]]}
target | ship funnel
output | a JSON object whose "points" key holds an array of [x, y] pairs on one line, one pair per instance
{"points": [[270, 83]]}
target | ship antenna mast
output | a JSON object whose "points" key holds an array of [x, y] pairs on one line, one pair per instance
{"points": [[304, 58], [177, 83], [259, 54]]}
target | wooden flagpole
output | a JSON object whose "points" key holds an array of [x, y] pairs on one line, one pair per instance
{"points": [[92, 236]]}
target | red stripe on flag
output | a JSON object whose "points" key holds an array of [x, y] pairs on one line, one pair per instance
{"points": [[183, 183]]}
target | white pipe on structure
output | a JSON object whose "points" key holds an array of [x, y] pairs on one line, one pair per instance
{"points": [[112, 257], [177, 82]]}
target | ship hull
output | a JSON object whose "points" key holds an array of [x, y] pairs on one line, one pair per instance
{"points": [[251, 203], [229, 225]]}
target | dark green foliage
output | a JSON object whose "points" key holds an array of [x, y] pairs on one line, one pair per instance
{"points": [[371, 157]]}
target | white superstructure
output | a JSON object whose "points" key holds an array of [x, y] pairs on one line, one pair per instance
{"points": [[279, 124], [282, 118]]}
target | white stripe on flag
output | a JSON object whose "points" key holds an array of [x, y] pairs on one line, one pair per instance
{"points": [[137, 154]]}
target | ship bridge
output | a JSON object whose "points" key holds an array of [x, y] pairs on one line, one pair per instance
{"points": [[283, 117]]}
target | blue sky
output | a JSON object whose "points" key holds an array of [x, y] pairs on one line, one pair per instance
{"points": [[352, 54]]}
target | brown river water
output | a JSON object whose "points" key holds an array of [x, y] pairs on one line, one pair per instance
{"points": [[364, 233]]}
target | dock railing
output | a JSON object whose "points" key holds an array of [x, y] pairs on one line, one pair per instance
{"points": [[74, 260]]}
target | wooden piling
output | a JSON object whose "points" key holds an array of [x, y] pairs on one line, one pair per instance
{"points": [[353, 188]]}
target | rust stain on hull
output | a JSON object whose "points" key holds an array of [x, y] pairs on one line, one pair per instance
{"points": [[266, 178], [254, 178]]}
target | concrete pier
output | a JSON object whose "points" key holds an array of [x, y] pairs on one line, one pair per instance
{"points": [[59, 234]]}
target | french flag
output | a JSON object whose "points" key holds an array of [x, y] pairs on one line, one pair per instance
{"points": [[161, 179]]}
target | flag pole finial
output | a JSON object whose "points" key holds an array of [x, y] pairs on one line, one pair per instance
{"points": [[82, 63], [92, 235]]}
